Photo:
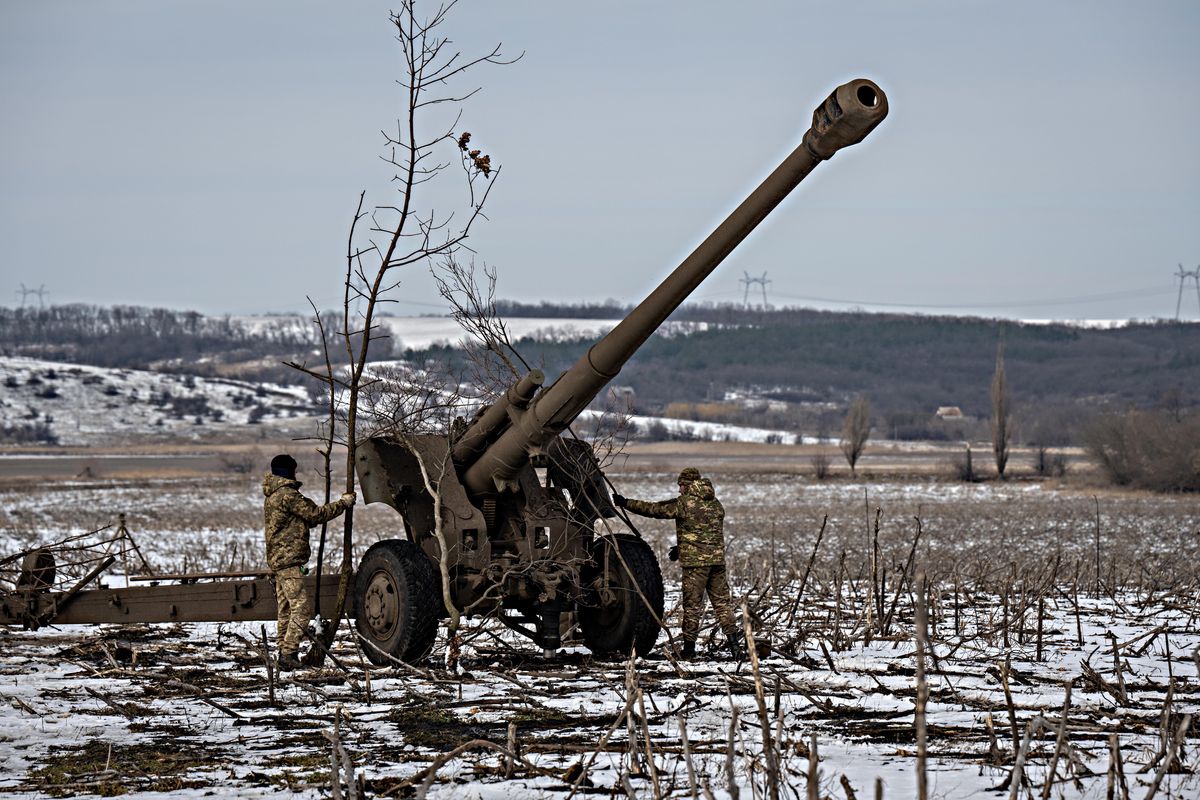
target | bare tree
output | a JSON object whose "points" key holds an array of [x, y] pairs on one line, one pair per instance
{"points": [[1001, 413], [407, 232], [855, 430], [494, 359], [490, 351]]}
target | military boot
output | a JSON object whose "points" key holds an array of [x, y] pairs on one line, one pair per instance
{"points": [[288, 660], [737, 646], [689, 650]]}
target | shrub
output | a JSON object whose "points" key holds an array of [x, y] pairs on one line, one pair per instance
{"points": [[189, 407], [656, 431], [1147, 449], [1049, 464], [820, 464]]}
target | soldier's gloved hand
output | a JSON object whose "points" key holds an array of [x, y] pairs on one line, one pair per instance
{"points": [[673, 553], [349, 499], [618, 500]]}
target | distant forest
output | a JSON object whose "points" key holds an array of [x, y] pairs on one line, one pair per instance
{"points": [[907, 365], [813, 362], [136, 337]]}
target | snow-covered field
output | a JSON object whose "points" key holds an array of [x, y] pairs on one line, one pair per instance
{"points": [[85, 405], [187, 711]]}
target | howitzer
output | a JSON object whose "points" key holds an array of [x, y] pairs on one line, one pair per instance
{"points": [[516, 504]]}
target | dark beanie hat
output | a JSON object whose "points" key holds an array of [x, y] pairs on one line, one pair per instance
{"points": [[284, 466]]}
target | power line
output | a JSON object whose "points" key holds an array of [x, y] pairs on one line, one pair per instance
{"points": [[1183, 275], [1075, 300], [40, 292], [748, 281]]}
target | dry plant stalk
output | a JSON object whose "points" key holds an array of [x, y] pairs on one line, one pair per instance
{"points": [[340, 763], [922, 689], [730, 751], [1116, 769], [814, 770], [1012, 711], [687, 755], [1060, 741], [1176, 742], [770, 756]]}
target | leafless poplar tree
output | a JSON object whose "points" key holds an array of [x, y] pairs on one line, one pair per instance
{"points": [[406, 233], [1001, 413], [855, 430]]}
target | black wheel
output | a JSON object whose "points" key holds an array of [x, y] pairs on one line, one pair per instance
{"points": [[396, 601], [617, 616]]}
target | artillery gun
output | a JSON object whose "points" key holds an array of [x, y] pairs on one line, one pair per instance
{"points": [[515, 504]]}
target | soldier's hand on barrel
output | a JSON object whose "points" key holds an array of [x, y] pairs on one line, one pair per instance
{"points": [[349, 499], [673, 553], [618, 500]]}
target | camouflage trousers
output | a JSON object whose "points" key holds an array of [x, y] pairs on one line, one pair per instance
{"points": [[295, 608], [710, 580]]}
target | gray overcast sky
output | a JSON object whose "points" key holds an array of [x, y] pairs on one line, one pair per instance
{"points": [[209, 155]]}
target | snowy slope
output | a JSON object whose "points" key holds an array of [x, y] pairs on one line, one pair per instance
{"points": [[80, 404]]}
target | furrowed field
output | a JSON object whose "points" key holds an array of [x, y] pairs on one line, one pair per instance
{"points": [[1061, 658]]}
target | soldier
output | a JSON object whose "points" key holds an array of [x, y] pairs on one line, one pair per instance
{"points": [[288, 516], [699, 519]]}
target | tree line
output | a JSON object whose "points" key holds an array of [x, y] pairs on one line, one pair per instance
{"points": [[908, 364], [136, 337]]}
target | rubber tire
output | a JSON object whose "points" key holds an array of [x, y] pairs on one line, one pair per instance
{"points": [[616, 629], [401, 570]]}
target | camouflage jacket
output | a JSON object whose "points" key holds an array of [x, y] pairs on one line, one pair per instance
{"points": [[699, 522], [288, 515]]}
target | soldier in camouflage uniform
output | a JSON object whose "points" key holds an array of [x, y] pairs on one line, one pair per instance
{"points": [[699, 520], [288, 517]]}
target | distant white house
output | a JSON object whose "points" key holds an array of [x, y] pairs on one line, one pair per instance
{"points": [[950, 412]]}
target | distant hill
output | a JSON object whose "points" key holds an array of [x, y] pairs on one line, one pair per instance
{"points": [[788, 369], [907, 365], [55, 403]]}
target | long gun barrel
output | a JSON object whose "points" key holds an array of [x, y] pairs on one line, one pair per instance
{"points": [[850, 113]]}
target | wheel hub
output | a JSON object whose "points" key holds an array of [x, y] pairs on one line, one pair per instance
{"points": [[379, 602]]}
